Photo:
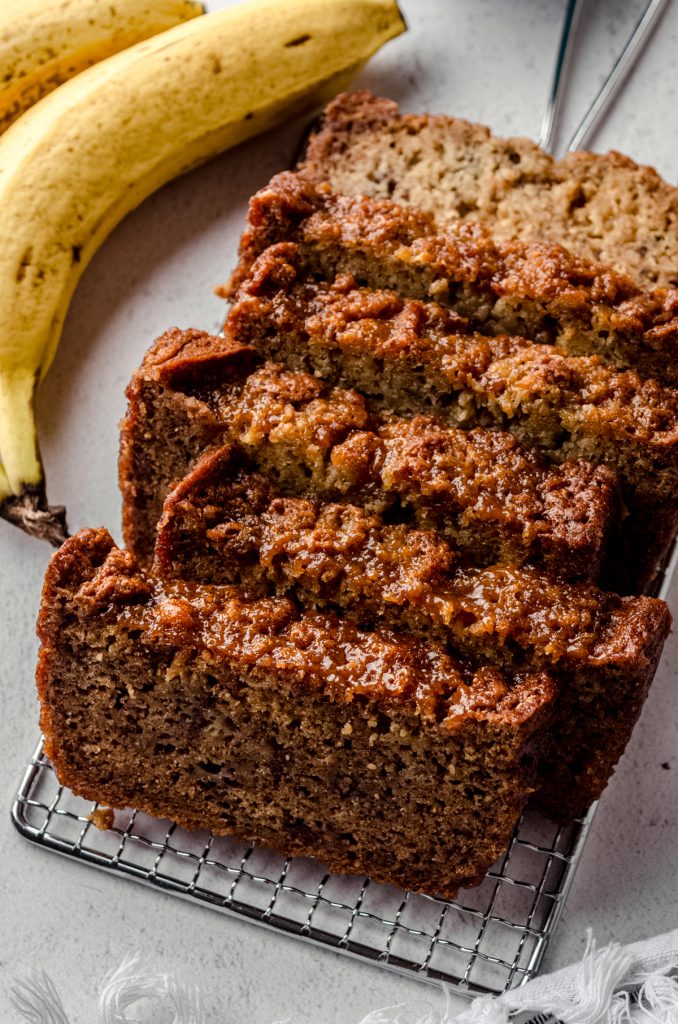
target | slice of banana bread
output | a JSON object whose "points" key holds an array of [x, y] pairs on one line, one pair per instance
{"points": [[492, 498], [373, 752], [537, 290], [602, 207], [226, 523]]}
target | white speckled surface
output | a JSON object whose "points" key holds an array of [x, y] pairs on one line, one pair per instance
{"points": [[488, 60]]}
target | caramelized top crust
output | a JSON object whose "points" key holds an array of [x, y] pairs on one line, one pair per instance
{"points": [[618, 406], [604, 207], [284, 407], [421, 458], [90, 578], [224, 523], [192, 360], [571, 293], [291, 209]]}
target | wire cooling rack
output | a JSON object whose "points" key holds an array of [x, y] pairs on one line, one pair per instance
{"points": [[491, 938]]}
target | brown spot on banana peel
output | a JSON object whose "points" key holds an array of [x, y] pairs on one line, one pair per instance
{"points": [[31, 513], [24, 264]]}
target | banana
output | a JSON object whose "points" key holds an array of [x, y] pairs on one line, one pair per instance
{"points": [[45, 42], [92, 150]]}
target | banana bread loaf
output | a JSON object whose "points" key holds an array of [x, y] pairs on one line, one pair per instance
{"points": [[226, 524], [360, 639], [537, 290], [492, 498], [605, 208], [373, 752]]}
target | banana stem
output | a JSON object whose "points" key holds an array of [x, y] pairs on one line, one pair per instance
{"points": [[23, 500], [31, 513]]}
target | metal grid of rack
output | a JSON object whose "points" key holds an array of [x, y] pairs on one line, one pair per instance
{"points": [[491, 938]]}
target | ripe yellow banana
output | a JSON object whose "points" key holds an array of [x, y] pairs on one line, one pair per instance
{"points": [[45, 42], [89, 152]]}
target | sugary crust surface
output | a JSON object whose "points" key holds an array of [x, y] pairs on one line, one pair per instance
{"points": [[602, 207], [540, 288]]}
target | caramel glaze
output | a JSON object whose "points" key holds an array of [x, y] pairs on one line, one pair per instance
{"points": [[565, 297], [224, 523], [318, 652]]}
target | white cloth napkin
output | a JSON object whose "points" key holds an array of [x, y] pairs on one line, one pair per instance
{"points": [[636, 984]]}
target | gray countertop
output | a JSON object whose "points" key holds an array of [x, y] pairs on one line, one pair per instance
{"points": [[487, 60]]}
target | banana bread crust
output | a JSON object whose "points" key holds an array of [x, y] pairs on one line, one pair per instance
{"points": [[293, 729], [167, 394], [536, 290], [602, 207]]}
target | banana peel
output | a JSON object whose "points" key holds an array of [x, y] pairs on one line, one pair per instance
{"points": [[76, 163], [45, 42]]}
